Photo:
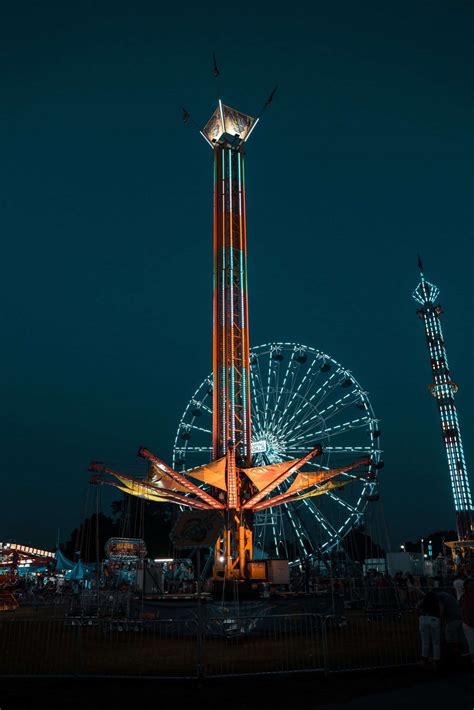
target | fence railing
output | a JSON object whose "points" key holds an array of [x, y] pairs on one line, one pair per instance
{"points": [[189, 648], [350, 594]]}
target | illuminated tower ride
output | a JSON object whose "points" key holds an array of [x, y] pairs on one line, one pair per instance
{"points": [[234, 485], [226, 132], [443, 389]]}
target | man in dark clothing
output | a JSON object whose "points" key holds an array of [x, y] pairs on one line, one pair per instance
{"points": [[467, 611], [451, 620]]}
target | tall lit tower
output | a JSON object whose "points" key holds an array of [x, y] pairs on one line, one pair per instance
{"points": [[229, 486], [443, 389], [226, 132]]}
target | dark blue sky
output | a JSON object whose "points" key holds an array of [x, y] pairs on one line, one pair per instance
{"points": [[365, 158]]}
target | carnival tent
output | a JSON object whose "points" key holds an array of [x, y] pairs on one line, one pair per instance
{"points": [[79, 571], [62, 562]]}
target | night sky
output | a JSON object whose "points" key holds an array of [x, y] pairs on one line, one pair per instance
{"points": [[364, 158]]}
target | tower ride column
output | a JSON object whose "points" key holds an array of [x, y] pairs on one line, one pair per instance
{"points": [[227, 132], [443, 389]]}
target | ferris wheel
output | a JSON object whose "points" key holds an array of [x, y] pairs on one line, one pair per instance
{"points": [[299, 396]]}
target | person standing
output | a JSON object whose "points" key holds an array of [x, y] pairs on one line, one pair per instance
{"points": [[430, 628], [458, 584], [451, 622], [467, 611], [413, 591]]}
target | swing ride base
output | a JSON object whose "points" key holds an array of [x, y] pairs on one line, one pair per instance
{"points": [[233, 590]]}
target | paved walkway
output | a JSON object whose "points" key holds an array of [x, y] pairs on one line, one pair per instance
{"points": [[379, 690], [443, 693]]}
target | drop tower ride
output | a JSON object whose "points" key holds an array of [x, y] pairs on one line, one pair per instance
{"points": [[227, 132], [443, 388]]}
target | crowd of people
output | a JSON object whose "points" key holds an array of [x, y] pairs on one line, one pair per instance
{"points": [[449, 617]]}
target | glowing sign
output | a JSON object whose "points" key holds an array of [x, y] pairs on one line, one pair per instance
{"points": [[125, 548], [259, 447]]}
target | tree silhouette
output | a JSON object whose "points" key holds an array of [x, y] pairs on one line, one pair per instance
{"points": [[130, 517], [83, 540]]}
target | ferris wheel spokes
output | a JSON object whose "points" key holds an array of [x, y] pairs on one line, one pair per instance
{"points": [[322, 520], [337, 449], [199, 449], [199, 428], [319, 413], [283, 388], [310, 401], [305, 380], [344, 504], [256, 387], [301, 534], [334, 430]]}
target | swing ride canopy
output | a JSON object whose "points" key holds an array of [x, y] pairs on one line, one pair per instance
{"points": [[216, 485]]}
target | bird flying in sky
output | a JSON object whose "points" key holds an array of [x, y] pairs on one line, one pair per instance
{"points": [[215, 69], [270, 98]]}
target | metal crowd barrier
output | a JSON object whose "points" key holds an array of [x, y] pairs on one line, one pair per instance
{"points": [[226, 646], [98, 647], [280, 643]]}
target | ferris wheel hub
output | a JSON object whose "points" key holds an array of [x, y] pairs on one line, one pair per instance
{"points": [[270, 447]]}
